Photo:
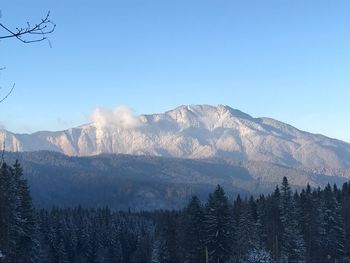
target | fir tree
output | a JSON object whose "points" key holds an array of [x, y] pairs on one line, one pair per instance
{"points": [[246, 234], [27, 243], [235, 219], [217, 226], [273, 225], [17, 218], [346, 215], [334, 236], [9, 217], [293, 246], [193, 243]]}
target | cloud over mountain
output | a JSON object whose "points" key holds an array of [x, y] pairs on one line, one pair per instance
{"points": [[120, 116]]}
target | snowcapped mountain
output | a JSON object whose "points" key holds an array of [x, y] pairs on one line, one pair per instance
{"points": [[195, 131]]}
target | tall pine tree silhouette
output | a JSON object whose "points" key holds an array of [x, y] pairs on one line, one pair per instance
{"points": [[293, 245], [218, 227], [18, 242]]}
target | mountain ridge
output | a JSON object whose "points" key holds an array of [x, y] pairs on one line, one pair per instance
{"points": [[195, 132]]}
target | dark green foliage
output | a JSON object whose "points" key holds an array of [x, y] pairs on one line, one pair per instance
{"points": [[17, 218], [82, 235], [246, 237], [271, 223], [313, 226], [333, 226], [218, 226], [167, 241], [193, 238], [293, 246], [345, 204]]}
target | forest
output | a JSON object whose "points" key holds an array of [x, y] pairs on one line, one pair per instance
{"points": [[312, 225]]}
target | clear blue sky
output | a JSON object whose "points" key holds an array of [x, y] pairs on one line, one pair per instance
{"points": [[289, 60]]}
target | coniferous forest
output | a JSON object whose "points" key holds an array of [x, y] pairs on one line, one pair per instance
{"points": [[285, 226]]}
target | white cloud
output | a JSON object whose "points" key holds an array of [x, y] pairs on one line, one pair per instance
{"points": [[120, 116]]}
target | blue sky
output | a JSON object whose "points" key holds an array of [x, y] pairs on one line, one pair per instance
{"points": [[288, 60]]}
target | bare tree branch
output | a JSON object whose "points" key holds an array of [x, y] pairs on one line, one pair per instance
{"points": [[30, 33], [8, 94]]}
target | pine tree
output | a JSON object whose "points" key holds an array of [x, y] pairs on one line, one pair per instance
{"points": [[235, 219], [334, 236], [217, 226], [58, 249], [311, 223], [293, 246], [272, 225], [261, 222], [193, 243], [27, 243], [346, 215], [246, 233], [9, 218], [17, 217]]}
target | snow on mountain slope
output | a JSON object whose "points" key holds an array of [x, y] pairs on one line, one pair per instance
{"points": [[195, 131]]}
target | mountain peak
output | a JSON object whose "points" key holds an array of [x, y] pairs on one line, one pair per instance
{"points": [[206, 113]]}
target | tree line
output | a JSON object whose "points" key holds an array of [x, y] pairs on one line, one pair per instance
{"points": [[285, 226]]}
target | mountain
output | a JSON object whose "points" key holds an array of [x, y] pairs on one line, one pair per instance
{"points": [[147, 182], [195, 132], [158, 161]]}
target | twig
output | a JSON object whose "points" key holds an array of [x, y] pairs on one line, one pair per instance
{"points": [[46, 26], [8, 94]]}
